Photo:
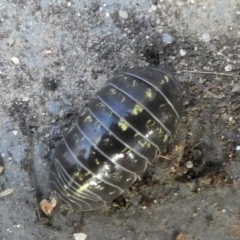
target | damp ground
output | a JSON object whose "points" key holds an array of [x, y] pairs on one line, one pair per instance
{"points": [[56, 54]]}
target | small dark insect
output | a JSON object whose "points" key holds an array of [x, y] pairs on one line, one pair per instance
{"points": [[127, 123]]}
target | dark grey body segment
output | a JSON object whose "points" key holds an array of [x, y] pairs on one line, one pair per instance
{"points": [[135, 115]]}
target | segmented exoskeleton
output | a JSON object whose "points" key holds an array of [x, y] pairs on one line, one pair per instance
{"points": [[133, 117]]}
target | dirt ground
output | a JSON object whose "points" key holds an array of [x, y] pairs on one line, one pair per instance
{"points": [[55, 54]]}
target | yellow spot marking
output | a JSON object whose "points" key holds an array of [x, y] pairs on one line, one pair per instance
{"points": [[149, 121], [149, 93], [112, 91], [76, 174], [137, 109], [123, 125], [160, 132], [145, 144], [97, 161], [148, 145], [135, 135], [123, 99], [166, 78], [124, 150], [134, 161], [65, 186], [129, 151], [134, 83], [83, 187], [165, 138], [101, 105], [88, 119]]}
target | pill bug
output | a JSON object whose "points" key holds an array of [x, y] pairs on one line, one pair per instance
{"points": [[126, 124]]}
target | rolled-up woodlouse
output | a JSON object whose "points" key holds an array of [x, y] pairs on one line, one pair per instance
{"points": [[127, 122]]}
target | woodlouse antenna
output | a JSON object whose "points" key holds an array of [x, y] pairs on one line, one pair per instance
{"points": [[162, 62]]}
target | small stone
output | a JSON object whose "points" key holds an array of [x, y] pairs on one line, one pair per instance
{"points": [[154, 8], [80, 236], [228, 68], [180, 4], [238, 148], [167, 39], [123, 14], [15, 133], [182, 52], [206, 37], [1, 169], [158, 21], [230, 119], [48, 51], [25, 99], [236, 88], [69, 4], [11, 42], [107, 14], [189, 164], [15, 60]]}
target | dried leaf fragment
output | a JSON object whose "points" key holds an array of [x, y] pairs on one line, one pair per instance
{"points": [[6, 192], [47, 206]]}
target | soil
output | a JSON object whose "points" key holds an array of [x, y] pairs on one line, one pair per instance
{"points": [[56, 54]]}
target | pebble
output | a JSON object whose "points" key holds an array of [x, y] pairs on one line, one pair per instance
{"points": [[158, 21], [15, 60], [236, 87], [80, 236], [1, 169], [228, 68], [15, 133], [189, 164], [206, 37], [180, 4], [182, 52], [11, 42], [167, 39], [25, 99], [154, 8], [238, 148], [123, 14]]}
